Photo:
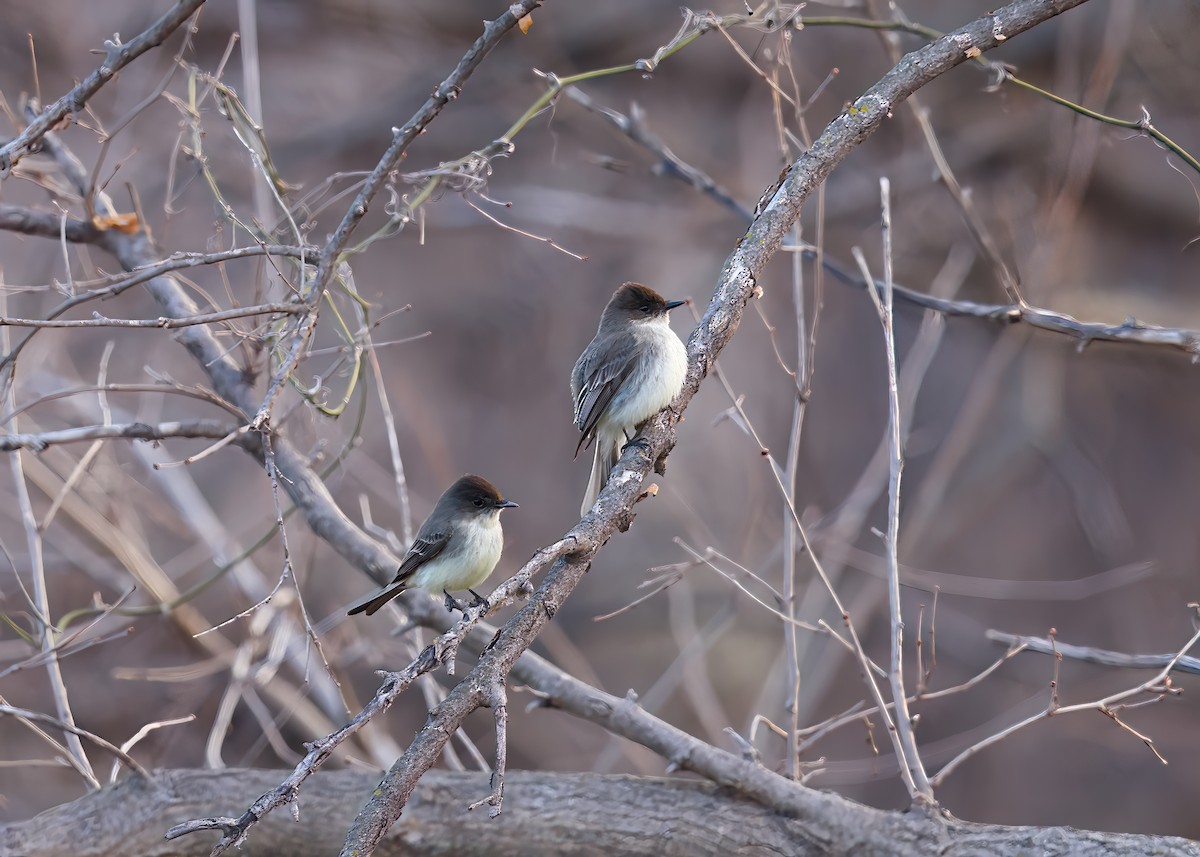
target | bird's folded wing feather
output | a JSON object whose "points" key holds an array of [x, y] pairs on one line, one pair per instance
{"points": [[596, 382], [424, 548]]}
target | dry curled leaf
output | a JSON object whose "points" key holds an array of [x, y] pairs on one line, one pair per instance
{"points": [[651, 491], [126, 223], [525, 23]]}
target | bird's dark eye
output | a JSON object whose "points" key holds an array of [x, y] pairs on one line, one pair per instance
{"points": [[479, 502], [645, 307]]}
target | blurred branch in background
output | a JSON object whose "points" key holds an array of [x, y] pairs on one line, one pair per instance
{"points": [[1046, 646], [1085, 332]]}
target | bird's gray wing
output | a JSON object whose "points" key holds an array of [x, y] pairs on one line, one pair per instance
{"points": [[424, 548], [597, 377]]}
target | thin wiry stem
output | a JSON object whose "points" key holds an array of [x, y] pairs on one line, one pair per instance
{"points": [[44, 632], [117, 56], [161, 323], [910, 756], [1005, 75], [389, 422], [73, 731], [134, 431]]}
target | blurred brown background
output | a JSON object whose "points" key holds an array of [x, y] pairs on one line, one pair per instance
{"points": [[1028, 460]]}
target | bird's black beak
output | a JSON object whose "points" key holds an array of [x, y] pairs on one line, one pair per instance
{"points": [[506, 504], [672, 304]]}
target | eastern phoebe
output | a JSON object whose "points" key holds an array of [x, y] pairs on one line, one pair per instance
{"points": [[631, 370], [456, 548]]}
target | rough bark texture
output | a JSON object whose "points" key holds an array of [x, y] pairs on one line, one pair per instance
{"points": [[559, 814]]}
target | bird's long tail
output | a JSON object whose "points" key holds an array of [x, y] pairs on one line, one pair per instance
{"points": [[370, 605], [606, 458]]}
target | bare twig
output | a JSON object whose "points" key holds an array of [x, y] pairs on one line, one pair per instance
{"points": [[1003, 74], [665, 577], [161, 323], [135, 431], [497, 700], [909, 754], [1158, 687], [543, 238], [803, 375], [389, 422], [64, 647], [85, 233], [63, 755], [812, 734], [71, 729], [118, 55], [142, 733], [44, 632], [635, 127], [1092, 655]]}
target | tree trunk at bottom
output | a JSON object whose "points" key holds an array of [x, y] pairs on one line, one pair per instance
{"points": [[576, 815]]}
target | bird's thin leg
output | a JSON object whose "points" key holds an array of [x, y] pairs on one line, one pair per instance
{"points": [[636, 441], [453, 603], [479, 601]]}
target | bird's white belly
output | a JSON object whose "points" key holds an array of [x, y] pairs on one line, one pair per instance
{"points": [[455, 571], [654, 383]]}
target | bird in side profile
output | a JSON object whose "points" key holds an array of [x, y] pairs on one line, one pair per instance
{"points": [[456, 548], [631, 370]]}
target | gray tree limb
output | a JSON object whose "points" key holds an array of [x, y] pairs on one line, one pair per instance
{"points": [[545, 814]]}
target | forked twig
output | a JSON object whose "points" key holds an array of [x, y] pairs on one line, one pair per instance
{"points": [[1110, 706]]}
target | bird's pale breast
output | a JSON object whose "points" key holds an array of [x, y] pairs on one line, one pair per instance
{"points": [[657, 379], [468, 563]]}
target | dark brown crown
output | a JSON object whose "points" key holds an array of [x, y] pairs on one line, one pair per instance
{"points": [[633, 300], [474, 492]]}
